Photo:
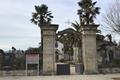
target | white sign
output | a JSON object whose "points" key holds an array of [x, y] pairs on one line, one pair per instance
{"points": [[32, 58]]}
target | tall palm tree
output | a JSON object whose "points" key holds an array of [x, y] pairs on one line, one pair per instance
{"points": [[70, 37], [87, 11], [40, 17]]}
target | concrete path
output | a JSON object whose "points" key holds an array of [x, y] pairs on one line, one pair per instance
{"points": [[69, 77]]}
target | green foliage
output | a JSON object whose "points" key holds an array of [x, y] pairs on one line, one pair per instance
{"points": [[87, 11], [100, 37], [70, 37], [1, 51], [116, 62], [41, 15], [19, 62], [109, 37], [76, 26]]}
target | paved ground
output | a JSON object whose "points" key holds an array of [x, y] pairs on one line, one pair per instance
{"points": [[70, 77], [67, 77]]}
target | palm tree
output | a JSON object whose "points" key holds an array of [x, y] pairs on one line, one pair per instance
{"points": [[76, 26], [77, 36], [78, 40], [70, 37], [40, 17], [66, 37], [87, 11]]}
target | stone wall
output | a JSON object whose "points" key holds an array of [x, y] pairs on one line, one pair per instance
{"points": [[109, 70], [18, 73]]}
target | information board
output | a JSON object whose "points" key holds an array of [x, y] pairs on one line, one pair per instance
{"points": [[32, 58]]}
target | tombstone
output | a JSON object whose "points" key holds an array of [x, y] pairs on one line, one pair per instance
{"points": [[49, 34], [89, 49]]}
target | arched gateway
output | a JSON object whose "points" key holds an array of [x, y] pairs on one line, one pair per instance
{"points": [[88, 48]]}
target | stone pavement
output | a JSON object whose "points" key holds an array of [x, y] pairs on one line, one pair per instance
{"points": [[69, 77]]}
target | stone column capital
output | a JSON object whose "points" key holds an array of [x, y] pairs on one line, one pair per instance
{"points": [[51, 27], [90, 29]]}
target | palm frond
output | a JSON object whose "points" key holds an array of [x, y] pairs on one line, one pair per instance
{"points": [[88, 11], [76, 26], [41, 15], [94, 3]]}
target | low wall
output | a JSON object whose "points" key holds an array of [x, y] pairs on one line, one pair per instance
{"points": [[109, 70], [18, 73]]}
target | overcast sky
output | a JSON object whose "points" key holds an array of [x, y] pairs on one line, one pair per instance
{"points": [[17, 30]]}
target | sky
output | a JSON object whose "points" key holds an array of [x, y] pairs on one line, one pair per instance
{"points": [[17, 30]]}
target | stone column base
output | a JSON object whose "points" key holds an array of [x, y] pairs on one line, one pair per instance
{"points": [[90, 72], [49, 73]]}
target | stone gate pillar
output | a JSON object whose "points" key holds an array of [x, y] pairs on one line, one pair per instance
{"points": [[89, 49], [49, 34]]}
